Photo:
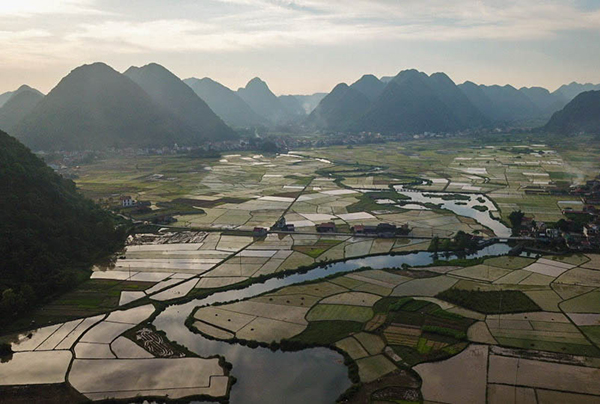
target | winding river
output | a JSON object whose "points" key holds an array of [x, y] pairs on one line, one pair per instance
{"points": [[315, 375], [460, 207]]}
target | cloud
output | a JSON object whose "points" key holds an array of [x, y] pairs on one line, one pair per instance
{"points": [[27, 8], [221, 26], [499, 19], [276, 23]]}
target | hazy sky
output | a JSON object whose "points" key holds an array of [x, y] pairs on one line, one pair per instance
{"points": [[304, 46]]}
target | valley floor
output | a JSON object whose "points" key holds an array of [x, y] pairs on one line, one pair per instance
{"points": [[524, 327]]}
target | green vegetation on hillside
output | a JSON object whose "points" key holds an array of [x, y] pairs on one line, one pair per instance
{"points": [[49, 233]]}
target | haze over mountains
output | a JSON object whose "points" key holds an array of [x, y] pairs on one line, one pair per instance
{"points": [[582, 114], [414, 102], [262, 101], [4, 97], [570, 91], [309, 102], [95, 107], [225, 102], [411, 102], [340, 105], [172, 94], [253, 105], [20, 103]]}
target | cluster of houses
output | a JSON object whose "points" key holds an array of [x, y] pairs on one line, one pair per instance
{"points": [[590, 195], [584, 238], [379, 230], [126, 201], [572, 233], [143, 207]]}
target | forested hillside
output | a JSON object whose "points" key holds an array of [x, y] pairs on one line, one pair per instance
{"points": [[49, 233]]}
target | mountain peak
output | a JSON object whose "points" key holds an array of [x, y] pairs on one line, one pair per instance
{"points": [[469, 84], [25, 87], [370, 86], [21, 103], [151, 68], [262, 100], [95, 107], [207, 80], [340, 87], [93, 67], [410, 74], [256, 80], [227, 104], [442, 78], [368, 77], [168, 91], [582, 114], [257, 84]]}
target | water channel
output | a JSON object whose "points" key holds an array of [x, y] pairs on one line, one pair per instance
{"points": [[460, 207], [315, 375]]}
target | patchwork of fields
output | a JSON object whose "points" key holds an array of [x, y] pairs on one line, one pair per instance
{"points": [[513, 328], [545, 310]]}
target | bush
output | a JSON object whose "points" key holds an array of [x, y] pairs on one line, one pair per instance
{"points": [[326, 332], [490, 302], [5, 349], [447, 332], [388, 304]]}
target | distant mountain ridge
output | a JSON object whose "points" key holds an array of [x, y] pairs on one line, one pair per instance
{"points": [[572, 90], [437, 104], [168, 91], [581, 115], [99, 109], [309, 102], [501, 103], [95, 107], [262, 101], [21, 103], [337, 109], [225, 102], [411, 102], [4, 97], [544, 100]]}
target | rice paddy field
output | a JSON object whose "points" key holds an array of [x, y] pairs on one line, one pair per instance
{"points": [[353, 185], [505, 327], [501, 329], [101, 363], [515, 171]]}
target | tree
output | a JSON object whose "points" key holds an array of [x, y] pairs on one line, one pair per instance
{"points": [[49, 233], [435, 244], [516, 218]]}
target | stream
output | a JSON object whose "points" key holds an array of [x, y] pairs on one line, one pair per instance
{"points": [[464, 209], [315, 375]]}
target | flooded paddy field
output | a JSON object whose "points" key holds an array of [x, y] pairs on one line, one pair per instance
{"points": [[350, 310], [164, 305]]}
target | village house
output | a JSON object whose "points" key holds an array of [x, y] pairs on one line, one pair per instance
{"points": [[127, 201], [164, 219], [326, 227], [591, 231], [259, 232]]}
